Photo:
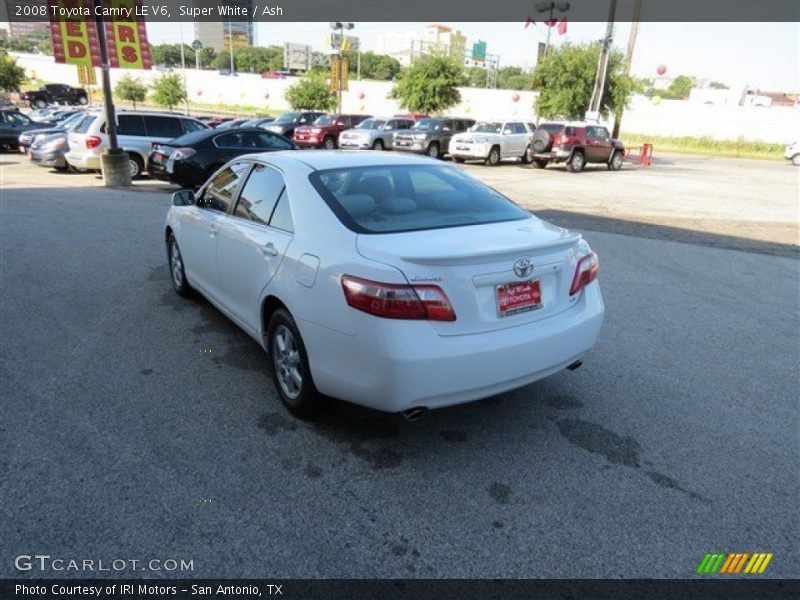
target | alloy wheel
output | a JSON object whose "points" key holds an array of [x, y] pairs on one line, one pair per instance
{"points": [[288, 367]]}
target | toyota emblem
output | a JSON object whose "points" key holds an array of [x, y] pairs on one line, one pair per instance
{"points": [[523, 268]]}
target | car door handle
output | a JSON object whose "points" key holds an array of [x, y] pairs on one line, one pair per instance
{"points": [[269, 249]]}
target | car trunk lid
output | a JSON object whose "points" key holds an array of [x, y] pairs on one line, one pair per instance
{"points": [[470, 263]]}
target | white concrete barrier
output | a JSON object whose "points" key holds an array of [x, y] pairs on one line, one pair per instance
{"points": [[667, 118]]}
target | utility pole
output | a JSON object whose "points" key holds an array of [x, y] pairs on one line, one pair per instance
{"points": [[602, 65], [230, 44], [637, 12], [113, 162]]}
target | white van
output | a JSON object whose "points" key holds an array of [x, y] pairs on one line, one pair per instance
{"points": [[136, 133]]}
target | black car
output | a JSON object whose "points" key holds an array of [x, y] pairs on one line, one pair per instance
{"points": [[261, 122], [288, 122], [232, 124], [56, 92], [192, 158], [12, 123]]}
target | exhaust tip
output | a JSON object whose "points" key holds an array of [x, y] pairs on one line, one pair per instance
{"points": [[576, 365], [412, 414]]}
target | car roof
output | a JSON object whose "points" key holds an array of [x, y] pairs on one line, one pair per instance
{"points": [[320, 160]]}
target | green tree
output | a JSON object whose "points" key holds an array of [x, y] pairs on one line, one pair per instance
{"points": [[374, 66], [565, 81], [222, 60], [311, 92], [513, 78], [475, 77], [718, 85], [679, 89], [168, 90], [430, 84], [12, 76], [207, 56], [170, 55], [131, 89]]}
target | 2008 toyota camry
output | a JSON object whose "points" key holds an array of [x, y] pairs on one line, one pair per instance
{"points": [[396, 282]]}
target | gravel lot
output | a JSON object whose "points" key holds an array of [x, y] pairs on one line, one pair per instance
{"points": [[137, 424]]}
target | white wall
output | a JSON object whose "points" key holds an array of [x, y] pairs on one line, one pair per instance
{"points": [[669, 117]]}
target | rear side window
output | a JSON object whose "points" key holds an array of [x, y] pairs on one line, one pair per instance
{"points": [[190, 125], [260, 194], [282, 216], [273, 142], [238, 139], [392, 199], [85, 124], [131, 125], [164, 127], [553, 128], [569, 131]]}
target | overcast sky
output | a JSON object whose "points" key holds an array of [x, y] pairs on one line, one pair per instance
{"points": [[763, 55]]}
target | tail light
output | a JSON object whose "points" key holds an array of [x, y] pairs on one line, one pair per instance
{"points": [[93, 141], [393, 301], [585, 273], [181, 153]]}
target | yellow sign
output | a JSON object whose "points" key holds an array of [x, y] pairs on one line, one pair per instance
{"points": [[75, 40], [86, 75], [340, 70]]}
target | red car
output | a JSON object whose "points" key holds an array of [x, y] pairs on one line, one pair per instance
{"points": [[272, 75], [324, 133], [413, 116], [575, 144]]}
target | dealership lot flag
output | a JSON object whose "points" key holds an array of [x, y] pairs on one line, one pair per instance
{"points": [[75, 38]]}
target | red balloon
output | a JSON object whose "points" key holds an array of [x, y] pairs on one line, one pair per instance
{"points": [[661, 69], [361, 95], [515, 97]]}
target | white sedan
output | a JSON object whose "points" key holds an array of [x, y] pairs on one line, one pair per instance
{"points": [[393, 281]]}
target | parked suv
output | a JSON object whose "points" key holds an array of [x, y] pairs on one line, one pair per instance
{"points": [[286, 123], [325, 130], [53, 93], [431, 136], [575, 144], [374, 134], [491, 141], [12, 124], [136, 133]]}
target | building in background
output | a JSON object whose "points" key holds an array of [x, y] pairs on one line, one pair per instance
{"points": [[220, 35], [405, 46]]}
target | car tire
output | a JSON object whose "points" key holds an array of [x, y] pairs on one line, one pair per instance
{"points": [[494, 157], [540, 163], [39, 103], [135, 165], [433, 150], [458, 159], [289, 366], [378, 145], [329, 143], [615, 164], [796, 160], [176, 268], [576, 163], [526, 156]]}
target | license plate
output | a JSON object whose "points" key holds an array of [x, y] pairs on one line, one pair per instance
{"points": [[403, 143], [517, 297]]}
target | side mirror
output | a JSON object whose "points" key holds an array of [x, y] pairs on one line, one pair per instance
{"points": [[183, 198]]}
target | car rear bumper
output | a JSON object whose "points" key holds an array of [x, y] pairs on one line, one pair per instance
{"points": [[50, 160], [405, 364], [469, 151], [310, 142], [415, 147], [558, 155], [83, 161]]}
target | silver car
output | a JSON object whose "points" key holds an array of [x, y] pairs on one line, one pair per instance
{"points": [[373, 134]]}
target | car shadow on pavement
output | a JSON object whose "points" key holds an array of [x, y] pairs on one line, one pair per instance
{"points": [[657, 231]]}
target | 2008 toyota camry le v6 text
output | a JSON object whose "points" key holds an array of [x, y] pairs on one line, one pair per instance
{"points": [[395, 282]]}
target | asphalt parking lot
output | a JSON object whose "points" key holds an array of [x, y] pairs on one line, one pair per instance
{"points": [[137, 424]]}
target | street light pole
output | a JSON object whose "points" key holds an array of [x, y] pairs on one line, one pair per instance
{"points": [[183, 75], [230, 45]]}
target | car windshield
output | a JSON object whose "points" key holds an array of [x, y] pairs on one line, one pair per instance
{"points": [[371, 124], [485, 127], [190, 139], [289, 117], [251, 123], [84, 125], [551, 128], [396, 198], [426, 124], [326, 120]]}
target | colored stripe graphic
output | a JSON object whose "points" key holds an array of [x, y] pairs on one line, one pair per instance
{"points": [[734, 563]]}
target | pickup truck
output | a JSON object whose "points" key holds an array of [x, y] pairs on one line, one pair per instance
{"points": [[55, 93]]}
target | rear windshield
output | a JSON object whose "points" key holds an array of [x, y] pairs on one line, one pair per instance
{"points": [[551, 128], [190, 139], [85, 124], [391, 199], [426, 124], [486, 128]]}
